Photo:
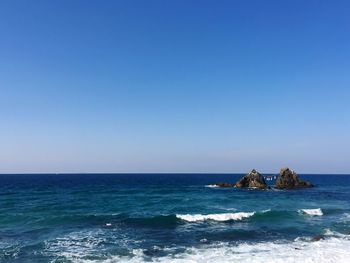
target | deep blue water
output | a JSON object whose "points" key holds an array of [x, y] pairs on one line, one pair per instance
{"points": [[162, 217]]}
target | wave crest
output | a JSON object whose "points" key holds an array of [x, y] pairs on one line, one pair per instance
{"points": [[215, 217], [331, 250], [212, 186], [311, 212]]}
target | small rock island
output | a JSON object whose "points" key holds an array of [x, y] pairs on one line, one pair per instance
{"points": [[252, 180], [287, 179]]}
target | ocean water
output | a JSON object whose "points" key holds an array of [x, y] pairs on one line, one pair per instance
{"points": [[170, 218]]}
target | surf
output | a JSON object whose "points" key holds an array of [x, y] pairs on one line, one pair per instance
{"points": [[215, 217]]}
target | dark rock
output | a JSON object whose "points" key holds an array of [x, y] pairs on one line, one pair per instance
{"points": [[224, 185], [288, 179], [317, 238], [254, 180]]}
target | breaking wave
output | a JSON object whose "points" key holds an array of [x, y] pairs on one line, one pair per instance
{"points": [[330, 250], [212, 186], [216, 217], [311, 212]]}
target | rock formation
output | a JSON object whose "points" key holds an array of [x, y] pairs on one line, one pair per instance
{"points": [[224, 185], [317, 238], [254, 180], [288, 179]]}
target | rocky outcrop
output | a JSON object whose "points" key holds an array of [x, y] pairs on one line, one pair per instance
{"points": [[288, 179], [254, 180], [224, 185], [317, 238]]}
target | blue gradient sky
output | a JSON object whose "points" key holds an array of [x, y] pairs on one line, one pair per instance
{"points": [[174, 86]]}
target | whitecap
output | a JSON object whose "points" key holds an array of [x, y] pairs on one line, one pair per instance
{"points": [[329, 232], [212, 186], [330, 250], [345, 217], [311, 212], [215, 217], [75, 245], [230, 209]]}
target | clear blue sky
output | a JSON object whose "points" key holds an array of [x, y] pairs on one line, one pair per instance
{"points": [[174, 86]]}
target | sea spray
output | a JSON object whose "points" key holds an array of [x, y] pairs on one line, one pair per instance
{"points": [[311, 212], [216, 217]]}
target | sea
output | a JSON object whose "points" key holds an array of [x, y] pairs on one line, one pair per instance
{"points": [[170, 218]]}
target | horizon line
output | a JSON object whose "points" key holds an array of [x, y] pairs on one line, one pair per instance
{"points": [[159, 173]]}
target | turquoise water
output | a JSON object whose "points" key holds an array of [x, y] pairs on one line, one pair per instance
{"points": [[170, 217]]}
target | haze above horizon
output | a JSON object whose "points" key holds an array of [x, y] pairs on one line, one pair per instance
{"points": [[174, 86]]}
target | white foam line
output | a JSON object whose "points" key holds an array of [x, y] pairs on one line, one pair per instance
{"points": [[212, 186], [216, 217], [311, 212], [332, 250]]}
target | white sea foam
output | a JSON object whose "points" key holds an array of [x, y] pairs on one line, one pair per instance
{"points": [[212, 186], [311, 212], [216, 217], [82, 247], [331, 250], [331, 233], [75, 246], [345, 217], [230, 209]]}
